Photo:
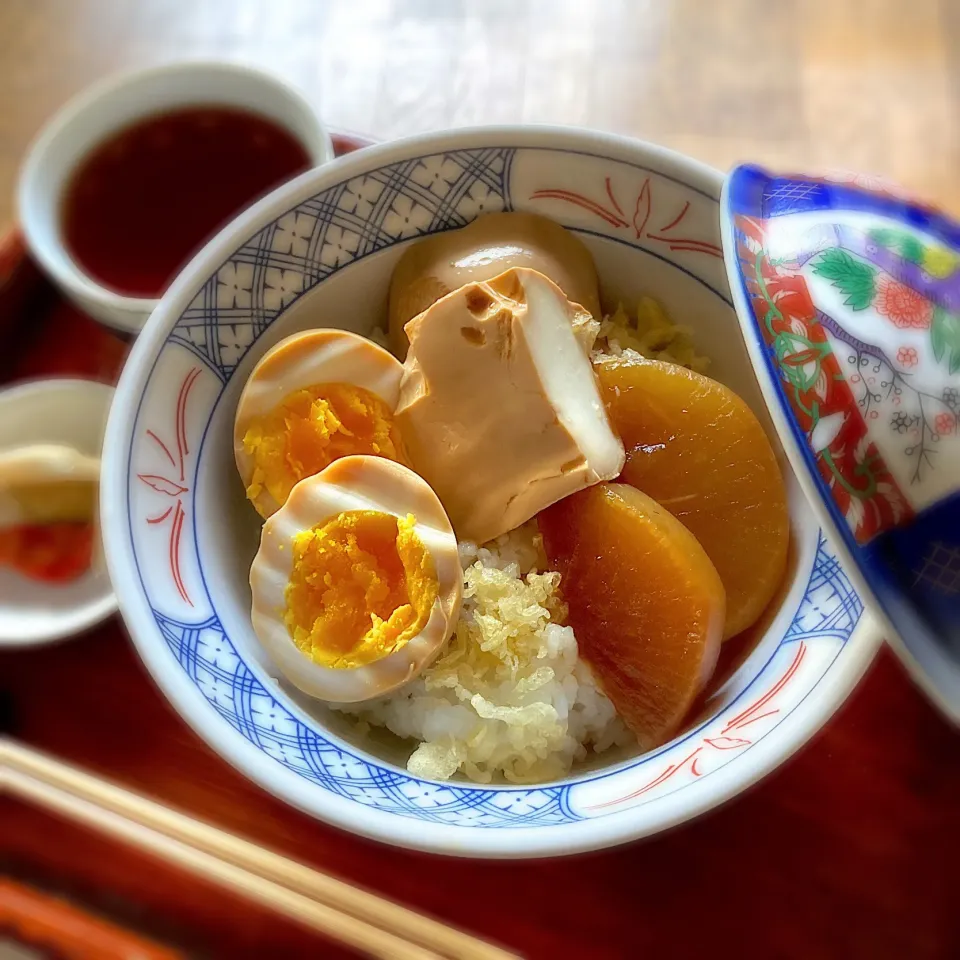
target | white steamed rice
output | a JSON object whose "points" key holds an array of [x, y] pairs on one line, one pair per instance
{"points": [[508, 696]]}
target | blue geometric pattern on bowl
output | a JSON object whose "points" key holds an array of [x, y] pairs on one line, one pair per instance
{"points": [[335, 228], [830, 607], [305, 245]]}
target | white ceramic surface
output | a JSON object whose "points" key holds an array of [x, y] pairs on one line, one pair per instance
{"points": [[180, 536], [111, 105], [72, 412]]}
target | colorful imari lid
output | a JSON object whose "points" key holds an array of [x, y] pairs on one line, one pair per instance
{"points": [[848, 294]]}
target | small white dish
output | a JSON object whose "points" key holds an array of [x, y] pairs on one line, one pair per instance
{"points": [[111, 105], [72, 412]]}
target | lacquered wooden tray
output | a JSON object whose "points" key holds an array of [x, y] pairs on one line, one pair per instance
{"points": [[849, 850]]}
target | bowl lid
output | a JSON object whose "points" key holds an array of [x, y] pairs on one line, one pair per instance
{"points": [[848, 295]]}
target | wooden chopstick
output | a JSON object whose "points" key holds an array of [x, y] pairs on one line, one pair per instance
{"points": [[355, 917], [348, 930]]}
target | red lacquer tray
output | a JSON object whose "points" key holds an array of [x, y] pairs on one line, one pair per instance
{"points": [[849, 850]]}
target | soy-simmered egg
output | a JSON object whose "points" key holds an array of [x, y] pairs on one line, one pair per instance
{"points": [[357, 583], [315, 397]]}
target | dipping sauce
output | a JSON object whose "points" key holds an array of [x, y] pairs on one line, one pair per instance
{"points": [[144, 200]]}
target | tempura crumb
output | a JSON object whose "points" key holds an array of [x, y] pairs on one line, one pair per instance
{"points": [[651, 334]]}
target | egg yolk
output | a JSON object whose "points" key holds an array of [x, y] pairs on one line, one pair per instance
{"points": [[362, 585], [313, 427]]}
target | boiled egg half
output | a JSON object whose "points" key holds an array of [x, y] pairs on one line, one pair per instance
{"points": [[357, 583], [313, 398]]}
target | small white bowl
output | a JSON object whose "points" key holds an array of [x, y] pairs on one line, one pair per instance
{"points": [[118, 102], [54, 411]]}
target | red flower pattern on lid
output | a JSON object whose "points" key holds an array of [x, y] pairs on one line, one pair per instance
{"points": [[908, 357], [903, 305]]}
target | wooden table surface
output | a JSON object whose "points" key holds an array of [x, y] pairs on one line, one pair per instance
{"points": [[849, 850], [869, 85]]}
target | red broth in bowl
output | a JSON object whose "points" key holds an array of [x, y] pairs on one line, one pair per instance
{"points": [[145, 199]]}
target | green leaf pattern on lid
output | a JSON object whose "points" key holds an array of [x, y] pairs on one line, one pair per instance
{"points": [[855, 279]]}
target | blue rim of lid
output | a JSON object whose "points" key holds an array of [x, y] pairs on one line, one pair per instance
{"points": [[827, 276]]}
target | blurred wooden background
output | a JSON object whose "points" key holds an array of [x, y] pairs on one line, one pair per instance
{"points": [[870, 85]]}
